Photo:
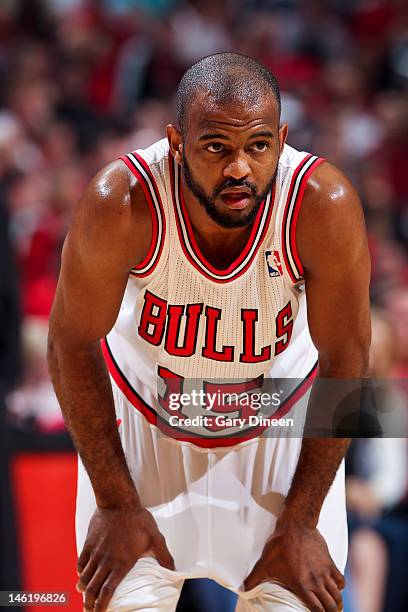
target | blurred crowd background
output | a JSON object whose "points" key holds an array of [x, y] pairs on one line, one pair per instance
{"points": [[82, 82]]}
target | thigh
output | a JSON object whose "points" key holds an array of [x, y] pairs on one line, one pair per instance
{"points": [[269, 597], [148, 587]]}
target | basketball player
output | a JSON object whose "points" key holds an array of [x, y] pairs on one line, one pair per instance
{"points": [[193, 259]]}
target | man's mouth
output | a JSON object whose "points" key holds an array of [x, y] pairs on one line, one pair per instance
{"points": [[237, 198]]}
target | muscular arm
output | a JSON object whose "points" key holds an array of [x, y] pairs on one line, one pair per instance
{"points": [[333, 249], [98, 253], [109, 235]]}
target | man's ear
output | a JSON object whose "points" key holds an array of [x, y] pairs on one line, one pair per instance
{"points": [[283, 134], [175, 142]]}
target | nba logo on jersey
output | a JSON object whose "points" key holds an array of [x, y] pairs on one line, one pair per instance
{"points": [[276, 269]]}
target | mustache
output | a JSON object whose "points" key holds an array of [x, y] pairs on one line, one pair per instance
{"points": [[236, 183]]}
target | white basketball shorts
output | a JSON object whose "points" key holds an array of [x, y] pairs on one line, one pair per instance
{"points": [[215, 507]]}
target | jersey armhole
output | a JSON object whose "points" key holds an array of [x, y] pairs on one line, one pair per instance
{"points": [[292, 207], [138, 166]]}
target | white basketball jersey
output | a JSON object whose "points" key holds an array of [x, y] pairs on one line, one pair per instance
{"points": [[183, 319]]}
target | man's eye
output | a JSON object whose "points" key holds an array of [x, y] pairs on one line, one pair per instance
{"points": [[215, 147], [260, 146]]}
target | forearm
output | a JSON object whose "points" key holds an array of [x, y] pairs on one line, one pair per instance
{"points": [[320, 457], [83, 388], [318, 463]]}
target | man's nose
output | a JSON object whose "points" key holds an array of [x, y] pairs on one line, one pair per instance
{"points": [[237, 167]]}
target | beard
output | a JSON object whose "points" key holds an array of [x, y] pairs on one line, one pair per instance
{"points": [[224, 219]]}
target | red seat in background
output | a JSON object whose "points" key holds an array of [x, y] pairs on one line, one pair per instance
{"points": [[45, 491]]}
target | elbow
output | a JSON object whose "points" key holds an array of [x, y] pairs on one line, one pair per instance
{"points": [[58, 345], [351, 361], [67, 344], [53, 342]]}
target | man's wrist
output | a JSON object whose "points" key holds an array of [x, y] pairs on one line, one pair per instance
{"points": [[292, 517], [118, 498]]}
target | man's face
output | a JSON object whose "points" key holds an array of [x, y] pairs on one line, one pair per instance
{"points": [[229, 157]]}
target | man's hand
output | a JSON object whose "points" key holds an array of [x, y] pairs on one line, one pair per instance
{"points": [[116, 539], [299, 560]]}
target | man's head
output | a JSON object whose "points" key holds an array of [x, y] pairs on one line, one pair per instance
{"points": [[229, 141]]}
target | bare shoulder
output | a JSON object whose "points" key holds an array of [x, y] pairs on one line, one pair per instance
{"points": [[328, 186], [113, 192], [331, 222], [113, 211]]}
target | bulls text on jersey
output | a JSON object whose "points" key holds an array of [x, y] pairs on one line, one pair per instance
{"points": [[162, 320]]}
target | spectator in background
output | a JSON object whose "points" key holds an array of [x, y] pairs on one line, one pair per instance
{"points": [[376, 486]]}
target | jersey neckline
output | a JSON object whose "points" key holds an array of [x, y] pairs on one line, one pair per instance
{"points": [[189, 243]]}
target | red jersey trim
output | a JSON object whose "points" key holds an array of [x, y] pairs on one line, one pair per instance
{"points": [[144, 175], [154, 419], [292, 207]]}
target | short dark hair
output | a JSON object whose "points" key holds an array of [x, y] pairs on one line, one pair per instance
{"points": [[228, 77]]}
